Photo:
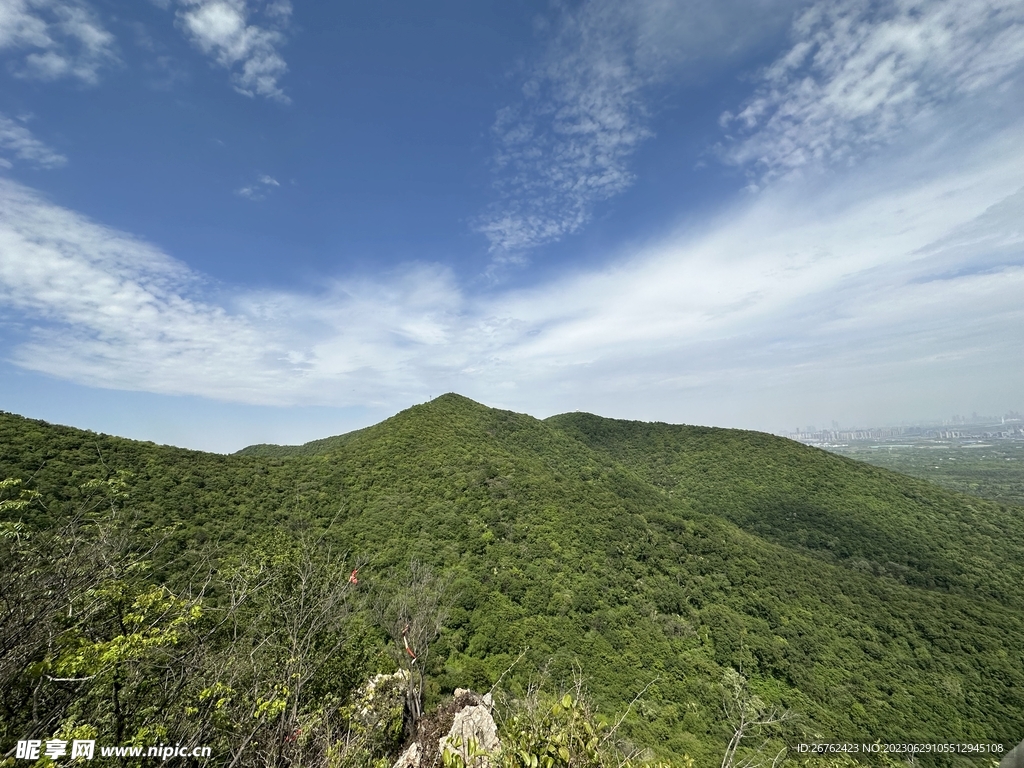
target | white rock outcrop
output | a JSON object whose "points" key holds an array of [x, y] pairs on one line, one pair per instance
{"points": [[473, 736], [410, 758]]}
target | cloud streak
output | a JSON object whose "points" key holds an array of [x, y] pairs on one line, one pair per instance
{"points": [[224, 30], [259, 189], [17, 140], [55, 39], [860, 74], [857, 76], [566, 146]]}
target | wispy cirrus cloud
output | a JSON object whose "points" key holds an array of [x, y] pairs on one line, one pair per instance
{"points": [[861, 73], [227, 30], [857, 75], [566, 145], [53, 39], [259, 189], [17, 141]]}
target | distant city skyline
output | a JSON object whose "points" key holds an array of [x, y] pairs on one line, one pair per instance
{"points": [[975, 419], [1010, 425]]}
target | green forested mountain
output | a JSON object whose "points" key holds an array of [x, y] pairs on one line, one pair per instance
{"points": [[874, 606], [841, 510]]}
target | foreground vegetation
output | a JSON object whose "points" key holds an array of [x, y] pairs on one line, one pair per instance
{"points": [[153, 594]]}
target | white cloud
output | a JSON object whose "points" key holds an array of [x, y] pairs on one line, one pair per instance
{"points": [[258, 189], [898, 286], [861, 73], [105, 309], [857, 76], [566, 146], [63, 38], [17, 140], [223, 29], [102, 301]]}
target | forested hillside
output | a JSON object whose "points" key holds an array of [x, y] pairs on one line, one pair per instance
{"points": [[871, 605], [844, 511]]}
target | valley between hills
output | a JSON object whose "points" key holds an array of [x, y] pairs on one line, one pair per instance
{"points": [[153, 592]]}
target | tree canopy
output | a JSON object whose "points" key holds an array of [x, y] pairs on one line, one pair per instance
{"points": [[873, 605]]}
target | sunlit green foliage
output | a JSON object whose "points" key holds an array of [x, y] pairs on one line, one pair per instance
{"points": [[874, 605]]}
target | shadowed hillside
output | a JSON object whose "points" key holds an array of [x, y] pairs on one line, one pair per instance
{"points": [[867, 518]]}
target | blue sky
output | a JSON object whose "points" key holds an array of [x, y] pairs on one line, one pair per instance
{"points": [[235, 221]]}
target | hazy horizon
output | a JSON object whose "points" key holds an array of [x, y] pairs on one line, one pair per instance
{"points": [[303, 432]]}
